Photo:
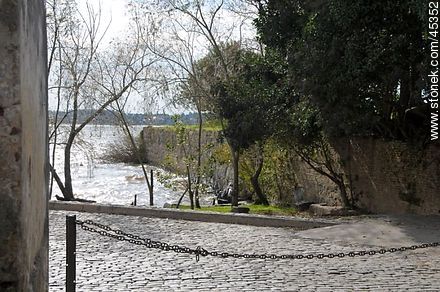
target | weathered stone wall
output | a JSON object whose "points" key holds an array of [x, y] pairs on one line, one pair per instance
{"points": [[163, 151], [385, 176], [23, 147], [392, 177], [382, 176], [311, 186]]}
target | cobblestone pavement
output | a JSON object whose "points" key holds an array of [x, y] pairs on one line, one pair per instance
{"points": [[105, 264]]}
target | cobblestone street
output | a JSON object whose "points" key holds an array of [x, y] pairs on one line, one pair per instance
{"points": [[104, 264]]}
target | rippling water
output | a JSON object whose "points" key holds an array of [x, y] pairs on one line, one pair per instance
{"points": [[104, 182]]}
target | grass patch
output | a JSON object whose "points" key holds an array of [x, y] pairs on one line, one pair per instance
{"points": [[214, 126], [206, 127], [253, 209]]}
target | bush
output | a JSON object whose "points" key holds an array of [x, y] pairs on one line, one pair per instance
{"points": [[122, 151]]}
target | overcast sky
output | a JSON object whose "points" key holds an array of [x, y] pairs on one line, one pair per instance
{"points": [[115, 14]]}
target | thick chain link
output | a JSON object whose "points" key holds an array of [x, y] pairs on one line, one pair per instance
{"points": [[120, 235]]}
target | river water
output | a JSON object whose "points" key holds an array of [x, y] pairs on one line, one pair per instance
{"points": [[108, 183]]}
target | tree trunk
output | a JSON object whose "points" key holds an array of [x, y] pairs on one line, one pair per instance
{"points": [[190, 191], [68, 190], [57, 179], [199, 158], [149, 185], [344, 195], [338, 179], [261, 197], [55, 122], [181, 198], [68, 195], [138, 155], [191, 198]]}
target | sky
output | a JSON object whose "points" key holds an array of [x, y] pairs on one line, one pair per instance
{"points": [[115, 15]]}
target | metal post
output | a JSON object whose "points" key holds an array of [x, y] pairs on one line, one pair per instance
{"points": [[151, 191], [70, 253]]}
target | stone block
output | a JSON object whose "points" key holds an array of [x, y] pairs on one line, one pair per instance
{"points": [[324, 210], [23, 146], [240, 209]]}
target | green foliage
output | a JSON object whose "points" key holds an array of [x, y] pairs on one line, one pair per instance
{"points": [[208, 125], [277, 176], [363, 64], [220, 154], [212, 125], [168, 180], [250, 99], [301, 125], [238, 95], [182, 158]]}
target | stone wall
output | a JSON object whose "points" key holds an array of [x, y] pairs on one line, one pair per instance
{"points": [[383, 177], [311, 186], [23, 147], [392, 177]]}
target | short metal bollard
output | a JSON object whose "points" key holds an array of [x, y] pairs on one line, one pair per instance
{"points": [[70, 253], [152, 186]]}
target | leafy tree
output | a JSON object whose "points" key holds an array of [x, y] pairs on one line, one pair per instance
{"points": [[240, 101], [365, 61], [243, 126], [359, 68], [301, 131], [293, 121]]}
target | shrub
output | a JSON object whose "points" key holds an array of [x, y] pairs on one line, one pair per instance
{"points": [[122, 151]]}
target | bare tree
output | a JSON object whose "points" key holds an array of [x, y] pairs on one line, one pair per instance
{"points": [[178, 55], [205, 17], [194, 28], [77, 44], [126, 127], [119, 76], [55, 16], [321, 159], [92, 78]]}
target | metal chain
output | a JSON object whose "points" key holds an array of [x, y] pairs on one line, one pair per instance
{"points": [[120, 235]]}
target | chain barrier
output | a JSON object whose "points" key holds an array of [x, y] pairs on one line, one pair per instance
{"points": [[104, 230]]}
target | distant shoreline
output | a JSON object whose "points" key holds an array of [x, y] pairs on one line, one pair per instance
{"points": [[109, 118]]}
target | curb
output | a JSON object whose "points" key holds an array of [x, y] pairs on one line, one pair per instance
{"points": [[232, 218]]}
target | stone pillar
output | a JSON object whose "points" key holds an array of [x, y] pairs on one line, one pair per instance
{"points": [[23, 146]]}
